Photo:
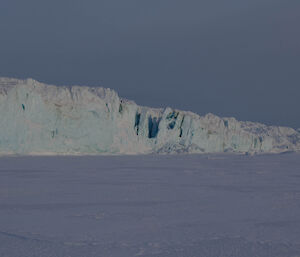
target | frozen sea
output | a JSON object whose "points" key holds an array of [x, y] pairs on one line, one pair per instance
{"points": [[163, 206]]}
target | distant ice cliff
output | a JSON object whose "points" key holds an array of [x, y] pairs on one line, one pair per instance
{"points": [[43, 119]]}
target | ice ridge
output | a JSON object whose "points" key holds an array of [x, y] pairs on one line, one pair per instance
{"points": [[40, 119]]}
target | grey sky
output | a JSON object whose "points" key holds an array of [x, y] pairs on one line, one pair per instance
{"points": [[236, 58]]}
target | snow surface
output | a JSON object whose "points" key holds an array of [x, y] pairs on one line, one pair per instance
{"points": [[39, 119], [163, 205]]}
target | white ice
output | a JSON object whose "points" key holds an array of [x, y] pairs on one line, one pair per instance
{"points": [[39, 119]]}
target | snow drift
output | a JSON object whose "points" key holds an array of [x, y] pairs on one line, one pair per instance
{"points": [[44, 119]]}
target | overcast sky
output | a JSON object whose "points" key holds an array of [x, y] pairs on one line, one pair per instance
{"points": [[236, 58]]}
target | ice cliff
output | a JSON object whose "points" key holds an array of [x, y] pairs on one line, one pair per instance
{"points": [[44, 119]]}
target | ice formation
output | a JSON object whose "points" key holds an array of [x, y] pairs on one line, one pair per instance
{"points": [[44, 119]]}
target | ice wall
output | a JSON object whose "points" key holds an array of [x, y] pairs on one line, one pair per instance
{"points": [[44, 119]]}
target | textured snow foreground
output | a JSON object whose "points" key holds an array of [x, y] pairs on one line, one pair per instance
{"points": [[164, 206], [42, 119]]}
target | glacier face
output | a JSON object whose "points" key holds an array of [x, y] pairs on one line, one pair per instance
{"points": [[44, 119]]}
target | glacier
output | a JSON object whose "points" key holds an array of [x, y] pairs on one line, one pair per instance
{"points": [[41, 119]]}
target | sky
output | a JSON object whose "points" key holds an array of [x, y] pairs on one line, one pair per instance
{"points": [[237, 58]]}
